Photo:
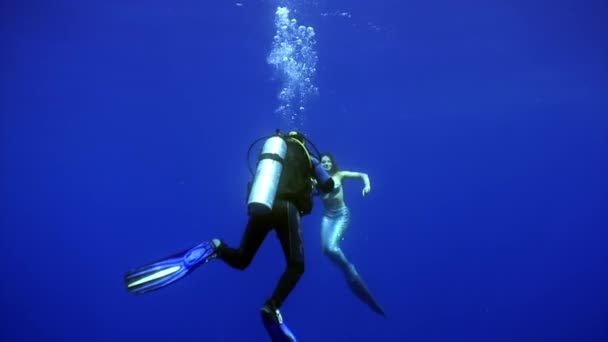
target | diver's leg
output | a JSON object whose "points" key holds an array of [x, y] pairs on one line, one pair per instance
{"points": [[287, 225], [289, 233], [255, 232]]}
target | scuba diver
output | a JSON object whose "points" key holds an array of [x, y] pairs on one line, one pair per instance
{"points": [[335, 221], [280, 193]]}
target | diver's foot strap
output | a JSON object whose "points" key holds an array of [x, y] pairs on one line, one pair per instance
{"points": [[274, 324]]}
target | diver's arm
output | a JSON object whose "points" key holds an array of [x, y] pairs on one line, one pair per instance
{"points": [[366, 184], [315, 188], [326, 186], [324, 181]]}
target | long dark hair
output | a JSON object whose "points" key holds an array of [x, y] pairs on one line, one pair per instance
{"points": [[334, 166]]}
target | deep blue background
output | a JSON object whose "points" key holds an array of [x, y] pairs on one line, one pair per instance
{"points": [[483, 126]]}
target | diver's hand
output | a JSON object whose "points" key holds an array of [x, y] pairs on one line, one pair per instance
{"points": [[366, 190]]}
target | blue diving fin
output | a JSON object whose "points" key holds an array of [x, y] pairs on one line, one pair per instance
{"points": [[166, 271], [276, 328]]}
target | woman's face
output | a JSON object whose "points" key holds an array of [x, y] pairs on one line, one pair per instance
{"points": [[326, 163]]}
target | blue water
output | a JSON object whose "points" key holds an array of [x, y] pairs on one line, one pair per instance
{"points": [[483, 127]]}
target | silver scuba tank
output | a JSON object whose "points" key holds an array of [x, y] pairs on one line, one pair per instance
{"points": [[266, 179]]}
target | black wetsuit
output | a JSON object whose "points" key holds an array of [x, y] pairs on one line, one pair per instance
{"points": [[293, 200]]}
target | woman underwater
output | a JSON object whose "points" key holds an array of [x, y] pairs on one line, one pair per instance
{"points": [[334, 224]]}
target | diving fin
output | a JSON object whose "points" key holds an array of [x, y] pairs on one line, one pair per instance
{"points": [[358, 287], [276, 328], [166, 271]]}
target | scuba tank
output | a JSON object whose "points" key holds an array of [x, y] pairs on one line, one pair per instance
{"points": [[267, 175]]}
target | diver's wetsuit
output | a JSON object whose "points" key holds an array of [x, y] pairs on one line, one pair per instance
{"points": [[285, 220], [293, 200]]}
